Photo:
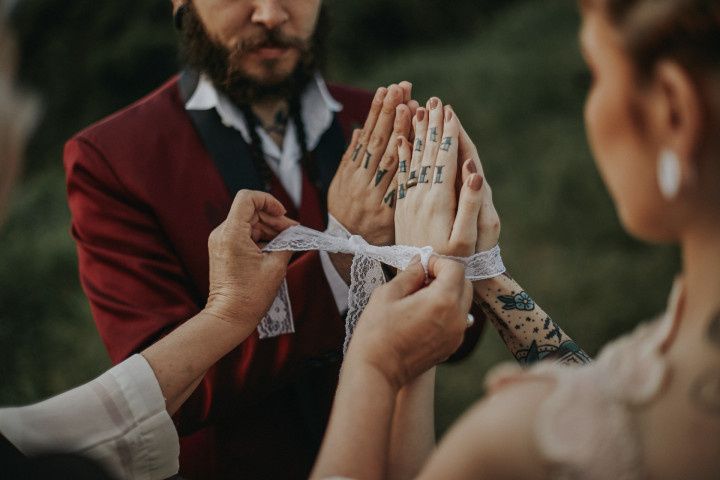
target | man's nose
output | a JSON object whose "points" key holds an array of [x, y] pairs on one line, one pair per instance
{"points": [[269, 13]]}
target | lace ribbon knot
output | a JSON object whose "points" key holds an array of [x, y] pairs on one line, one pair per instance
{"points": [[365, 273]]}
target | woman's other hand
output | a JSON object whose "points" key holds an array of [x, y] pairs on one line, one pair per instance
{"points": [[243, 279]]}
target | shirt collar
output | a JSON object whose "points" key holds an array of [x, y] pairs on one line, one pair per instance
{"points": [[318, 108]]}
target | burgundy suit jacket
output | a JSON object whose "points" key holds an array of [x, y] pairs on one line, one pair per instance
{"points": [[145, 193]]}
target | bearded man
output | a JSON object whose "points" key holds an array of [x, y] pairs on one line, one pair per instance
{"points": [[147, 185]]}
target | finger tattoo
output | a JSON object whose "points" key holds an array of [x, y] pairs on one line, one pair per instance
{"points": [[390, 198], [413, 175], [403, 166], [368, 156], [433, 134], [418, 145], [356, 152], [379, 176], [439, 173], [401, 191], [447, 143], [423, 174]]}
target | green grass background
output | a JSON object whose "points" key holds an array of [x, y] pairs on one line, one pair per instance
{"points": [[512, 71]]}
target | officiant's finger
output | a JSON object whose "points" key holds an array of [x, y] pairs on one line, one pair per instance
{"points": [[450, 284], [464, 232], [406, 282], [277, 223], [277, 261], [248, 203], [404, 155], [383, 131], [445, 171]]}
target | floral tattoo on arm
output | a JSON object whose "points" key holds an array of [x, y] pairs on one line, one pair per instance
{"points": [[528, 332]]}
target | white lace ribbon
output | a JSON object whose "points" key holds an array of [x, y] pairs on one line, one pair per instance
{"points": [[365, 274]]}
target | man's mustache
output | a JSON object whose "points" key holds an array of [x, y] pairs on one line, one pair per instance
{"points": [[269, 39]]}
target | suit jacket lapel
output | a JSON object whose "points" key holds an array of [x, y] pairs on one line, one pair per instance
{"points": [[231, 154]]}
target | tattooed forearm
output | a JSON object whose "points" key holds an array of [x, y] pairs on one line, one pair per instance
{"points": [[379, 176], [423, 174], [439, 173], [446, 144], [528, 332], [705, 391]]}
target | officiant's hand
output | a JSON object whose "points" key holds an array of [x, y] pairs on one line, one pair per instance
{"points": [[243, 279], [430, 211], [362, 194], [408, 328]]}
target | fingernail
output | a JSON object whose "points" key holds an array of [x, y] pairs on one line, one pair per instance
{"points": [[448, 114], [420, 114], [380, 93], [400, 141], [475, 182], [471, 165], [433, 103]]}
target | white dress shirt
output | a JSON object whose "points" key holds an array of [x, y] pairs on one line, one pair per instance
{"points": [[119, 419], [318, 109]]}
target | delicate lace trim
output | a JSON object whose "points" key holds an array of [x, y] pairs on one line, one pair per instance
{"points": [[366, 271]]}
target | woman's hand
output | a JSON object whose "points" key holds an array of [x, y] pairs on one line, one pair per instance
{"points": [[488, 219], [362, 193], [407, 329], [243, 279], [429, 210]]}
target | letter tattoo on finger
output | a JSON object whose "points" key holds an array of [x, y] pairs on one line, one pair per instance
{"points": [[423, 174], [356, 152], [390, 198], [368, 156], [446, 144], [403, 166], [433, 134], [401, 191], [418, 145], [379, 176], [439, 173]]}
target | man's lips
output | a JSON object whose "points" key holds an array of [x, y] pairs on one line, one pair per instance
{"points": [[270, 53]]}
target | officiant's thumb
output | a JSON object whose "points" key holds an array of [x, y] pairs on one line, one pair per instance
{"points": [[408, 281]]}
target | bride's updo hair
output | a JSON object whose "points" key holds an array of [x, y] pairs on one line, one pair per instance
{"points": [[686, 31]]}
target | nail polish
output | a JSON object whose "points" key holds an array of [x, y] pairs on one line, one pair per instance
{"points": [[433, 103], [420, 114], [472, 168], [448, 114], [475, 182]]}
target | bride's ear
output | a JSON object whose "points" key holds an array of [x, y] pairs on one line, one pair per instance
{"points": [[678, 116]]}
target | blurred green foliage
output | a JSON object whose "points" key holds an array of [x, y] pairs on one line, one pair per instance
{"points": [[512, 71]]}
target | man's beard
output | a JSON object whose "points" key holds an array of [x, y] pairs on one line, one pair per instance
{"points": [[220, 64]]}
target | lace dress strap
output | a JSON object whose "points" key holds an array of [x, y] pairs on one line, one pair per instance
{"points": [[586, 427]]}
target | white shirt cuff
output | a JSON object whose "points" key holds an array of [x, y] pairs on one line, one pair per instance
{"points": [[119, 419]]}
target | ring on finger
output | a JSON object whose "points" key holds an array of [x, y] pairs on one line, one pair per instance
{"points": [[412, 182]]}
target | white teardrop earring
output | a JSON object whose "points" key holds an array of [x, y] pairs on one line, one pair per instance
{"points": [[668, 173]]}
